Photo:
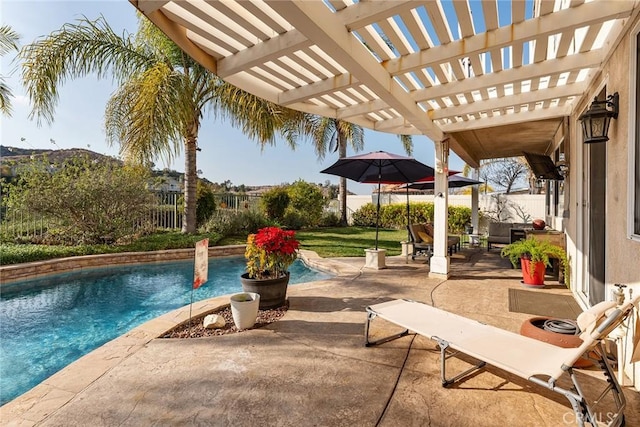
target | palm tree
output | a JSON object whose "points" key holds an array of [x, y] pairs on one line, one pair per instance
{"points": [[334, 135], [8, 42], [161, 98], [331, 135]]}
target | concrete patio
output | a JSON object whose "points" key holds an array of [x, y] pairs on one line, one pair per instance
{"points": [[311, 368]]}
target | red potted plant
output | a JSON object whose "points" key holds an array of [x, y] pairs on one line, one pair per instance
{"points": [[269, 254], [533, 255]]}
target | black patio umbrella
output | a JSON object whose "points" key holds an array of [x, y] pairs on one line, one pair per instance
{"points": [[455, 181], [380, 167]]}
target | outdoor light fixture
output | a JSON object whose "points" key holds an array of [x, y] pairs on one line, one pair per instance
{"points": [[563, 168], [596, 120]]}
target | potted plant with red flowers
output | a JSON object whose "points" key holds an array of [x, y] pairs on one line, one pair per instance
{"points": [[269, 254]]}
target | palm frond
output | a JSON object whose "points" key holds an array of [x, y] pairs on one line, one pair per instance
{"points": [[77, 50], [8, 40], [5, 98], [150, 116], [259, 119], [407, 143]]}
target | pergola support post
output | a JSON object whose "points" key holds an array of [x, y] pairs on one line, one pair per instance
{"points": [[439, 263], [475, 217]]}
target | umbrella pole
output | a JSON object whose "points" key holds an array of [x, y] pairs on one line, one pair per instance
{"points": [[378, 209], [408, 216], [406, 257]]}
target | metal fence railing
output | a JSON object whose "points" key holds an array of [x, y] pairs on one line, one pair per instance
{"points": [[167, 213]]}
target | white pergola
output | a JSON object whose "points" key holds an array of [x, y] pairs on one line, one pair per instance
{"points": [[490, 78]]}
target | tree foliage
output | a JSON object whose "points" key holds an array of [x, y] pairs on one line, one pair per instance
{"points": [[8, 42], [504, 173], [206, 203], [90, 201], [274, 203], [308, 201], [162, 94]]}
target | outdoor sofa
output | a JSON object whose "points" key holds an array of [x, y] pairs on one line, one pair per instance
{"points": [[500, 232]]}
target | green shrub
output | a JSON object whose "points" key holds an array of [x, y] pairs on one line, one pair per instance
{"points": [[365, 216], [307, 201], [395, 215], [330, 219], [90, 202], [230, 223], [459, 216], [294, 220], [275, 202], [205, 203]]}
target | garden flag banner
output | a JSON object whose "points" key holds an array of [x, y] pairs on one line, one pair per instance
{"points": [[201, 266]]}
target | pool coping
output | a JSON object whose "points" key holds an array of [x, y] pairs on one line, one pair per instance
{"points": [[38, 403]]}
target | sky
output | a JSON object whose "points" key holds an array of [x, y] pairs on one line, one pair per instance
{"points": [[226, 153]]}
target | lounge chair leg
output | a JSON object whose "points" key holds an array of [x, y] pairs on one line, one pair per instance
{"points": [[444, 345], [583, 411], [368, 343]]}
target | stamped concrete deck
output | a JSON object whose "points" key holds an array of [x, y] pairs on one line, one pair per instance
{"points": [[311, 367]]}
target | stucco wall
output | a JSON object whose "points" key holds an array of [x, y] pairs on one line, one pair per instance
{"points": [[622, 255]]}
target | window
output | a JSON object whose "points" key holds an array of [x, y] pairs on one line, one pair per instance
{"points": [[634, 138]]}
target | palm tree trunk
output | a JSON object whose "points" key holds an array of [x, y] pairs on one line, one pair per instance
{"points": [[190, 185], [342, 189]]}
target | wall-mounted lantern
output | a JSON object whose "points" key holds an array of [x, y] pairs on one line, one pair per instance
{"points": [[596, 120]]}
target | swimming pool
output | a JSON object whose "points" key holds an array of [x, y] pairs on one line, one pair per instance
{"points": [[45, 324]]}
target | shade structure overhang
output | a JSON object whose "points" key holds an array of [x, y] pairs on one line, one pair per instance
{"points": [[459, 69]]}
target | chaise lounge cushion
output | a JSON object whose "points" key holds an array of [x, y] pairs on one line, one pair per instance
{"points": [[416, 231], [424, 237]]}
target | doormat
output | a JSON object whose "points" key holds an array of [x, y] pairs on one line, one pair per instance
{"points": [[543, 304]]}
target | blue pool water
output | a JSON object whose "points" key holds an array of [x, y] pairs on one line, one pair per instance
{"points": [[46, 324]]}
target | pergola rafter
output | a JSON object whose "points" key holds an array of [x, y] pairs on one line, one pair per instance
{"points": [[411, 67]]}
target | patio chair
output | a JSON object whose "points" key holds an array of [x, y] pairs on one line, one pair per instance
{"points": [[421, 240], [536, 361], [453, 242]]}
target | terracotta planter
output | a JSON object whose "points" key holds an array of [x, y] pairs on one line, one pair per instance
{"points": [[532, 273], [534, 328], [273, 292]]}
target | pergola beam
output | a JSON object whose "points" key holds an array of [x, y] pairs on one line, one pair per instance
{"points": [[509, 119], [315, 21]]}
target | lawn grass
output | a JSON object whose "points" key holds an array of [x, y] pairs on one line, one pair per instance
{"points": [[350, 241], [11, 253], [327, 242]]}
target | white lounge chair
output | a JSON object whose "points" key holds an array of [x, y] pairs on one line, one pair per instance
{"points": [[512, 352]]}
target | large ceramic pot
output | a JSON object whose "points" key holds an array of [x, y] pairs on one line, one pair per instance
{"points": [[535, 328], [532, 273], [273, 292]]}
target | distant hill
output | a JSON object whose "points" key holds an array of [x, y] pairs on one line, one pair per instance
{"points": [[19, 154]]}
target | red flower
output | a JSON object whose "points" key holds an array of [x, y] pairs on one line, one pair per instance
{"points": [[270, 252]]}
